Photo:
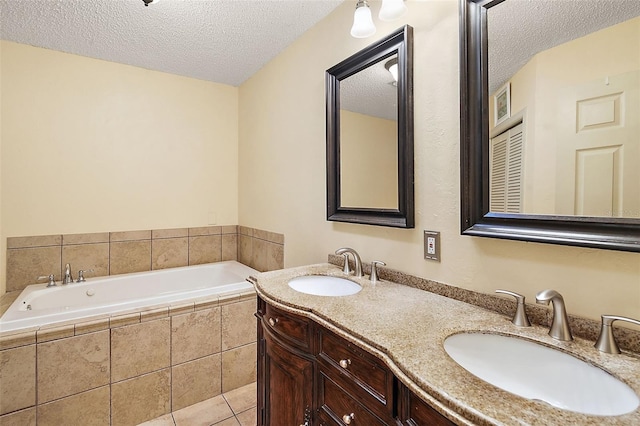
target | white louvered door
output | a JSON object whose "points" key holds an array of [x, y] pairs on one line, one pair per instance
{"points": [[506, 170]]}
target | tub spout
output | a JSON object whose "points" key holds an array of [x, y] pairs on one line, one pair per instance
{"points": [[67, 274]]}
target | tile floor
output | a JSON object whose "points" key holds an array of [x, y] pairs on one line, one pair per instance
{"points": [[234, 408]]}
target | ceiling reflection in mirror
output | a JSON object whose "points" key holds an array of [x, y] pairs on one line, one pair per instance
{"points": [[564, 107], [369, 138]]}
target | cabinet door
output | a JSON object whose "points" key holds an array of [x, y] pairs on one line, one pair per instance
{"points": [[416, 412], [288, 390]]}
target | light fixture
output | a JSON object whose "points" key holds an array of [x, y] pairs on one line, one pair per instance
{"points": [[362, 21], [392, 66], [148, 2], [363, 24], [392, 9]]}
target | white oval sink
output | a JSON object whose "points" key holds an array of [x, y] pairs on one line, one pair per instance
{"points": [[538, 372], [322, 285]]}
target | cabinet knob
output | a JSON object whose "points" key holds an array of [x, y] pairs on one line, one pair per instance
{"points": [[344, 363], [347, 418], [273, 322]]}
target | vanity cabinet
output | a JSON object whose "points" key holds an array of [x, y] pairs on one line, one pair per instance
{"points": [[308, 375]]}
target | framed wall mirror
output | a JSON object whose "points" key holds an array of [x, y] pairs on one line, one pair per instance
{"points": [[550, 121], [370, 134]]}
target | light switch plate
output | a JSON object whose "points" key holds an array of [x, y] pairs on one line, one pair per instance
{"points": [[432, 245]]}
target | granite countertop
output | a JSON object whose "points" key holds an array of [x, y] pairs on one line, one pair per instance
{"points": [[406, 328]]}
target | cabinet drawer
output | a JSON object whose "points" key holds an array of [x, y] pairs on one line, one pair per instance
{"points": [[338, 405], [363, 369], [421, 413], [291, 328]]}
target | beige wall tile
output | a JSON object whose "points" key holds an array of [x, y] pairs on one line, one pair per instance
{"points": [[154, 314], [130, 256], [245, 250], [19, 418], [139, 349], [89, 408], [47, 334], [238, 324], [17, 378], [239, 367], [272, 237], [72, 365], [230, 247], [7, 299], [230, 229], [24, 266], [15, 340], [91, 326], [195, 335], [245, 230], [205, 230], [126, 319], [195, 381], [140, 399], [87, 257], [35, 241], [267, 256], [129, 236], [205, 249], [181, 308], [100, 237], [169, 233], [169, 253]]}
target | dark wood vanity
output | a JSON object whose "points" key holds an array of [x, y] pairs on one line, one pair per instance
{"points": [[307, 375]]}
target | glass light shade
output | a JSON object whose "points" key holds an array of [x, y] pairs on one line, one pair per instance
{"points": [[392, 9], [393, 69], [362, 22]]}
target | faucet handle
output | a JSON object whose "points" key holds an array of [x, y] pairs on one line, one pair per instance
{"points": [[374, 270], [51, 278], [520, 317], [606, 341], [81, 277]]}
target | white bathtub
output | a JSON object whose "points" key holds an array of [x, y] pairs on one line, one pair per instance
{"points": [[38, 305]]}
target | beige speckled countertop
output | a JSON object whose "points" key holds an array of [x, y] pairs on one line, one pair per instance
{"points": [[406, 328]]}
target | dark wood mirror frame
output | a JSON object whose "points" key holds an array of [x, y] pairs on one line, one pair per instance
{"points": [[400, 42], [596, 232]]}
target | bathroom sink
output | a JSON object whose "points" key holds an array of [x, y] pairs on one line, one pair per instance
{"points": [[322, 285], [538, 372]]}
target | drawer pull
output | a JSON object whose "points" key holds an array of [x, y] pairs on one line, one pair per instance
{"points": [[344, 363], [273, 322], [347, 418]]}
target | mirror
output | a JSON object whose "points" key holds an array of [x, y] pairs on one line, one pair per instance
{"points": [[370, 134], [549, 130]]}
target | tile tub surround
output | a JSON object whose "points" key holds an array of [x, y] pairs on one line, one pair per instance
{"points": [[129, 369], [111, 253], [406, 327]]}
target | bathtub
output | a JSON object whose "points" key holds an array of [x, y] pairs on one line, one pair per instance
{"points": [[38, 305]]}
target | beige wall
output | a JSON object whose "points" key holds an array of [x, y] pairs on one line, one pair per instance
{"points": [[282, 175], [92, 146], [368, 161]]}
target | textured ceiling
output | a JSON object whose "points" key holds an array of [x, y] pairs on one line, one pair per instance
{"points": [[371, 92], [518, 29], [224, 41]]}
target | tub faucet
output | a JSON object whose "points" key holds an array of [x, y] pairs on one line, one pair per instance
{"points": [[560, 324], [67, 275], [356, 259]]}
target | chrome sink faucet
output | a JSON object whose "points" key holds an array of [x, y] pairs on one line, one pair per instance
{"points": [[560, 324], [356, 258], [67, 279]]}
